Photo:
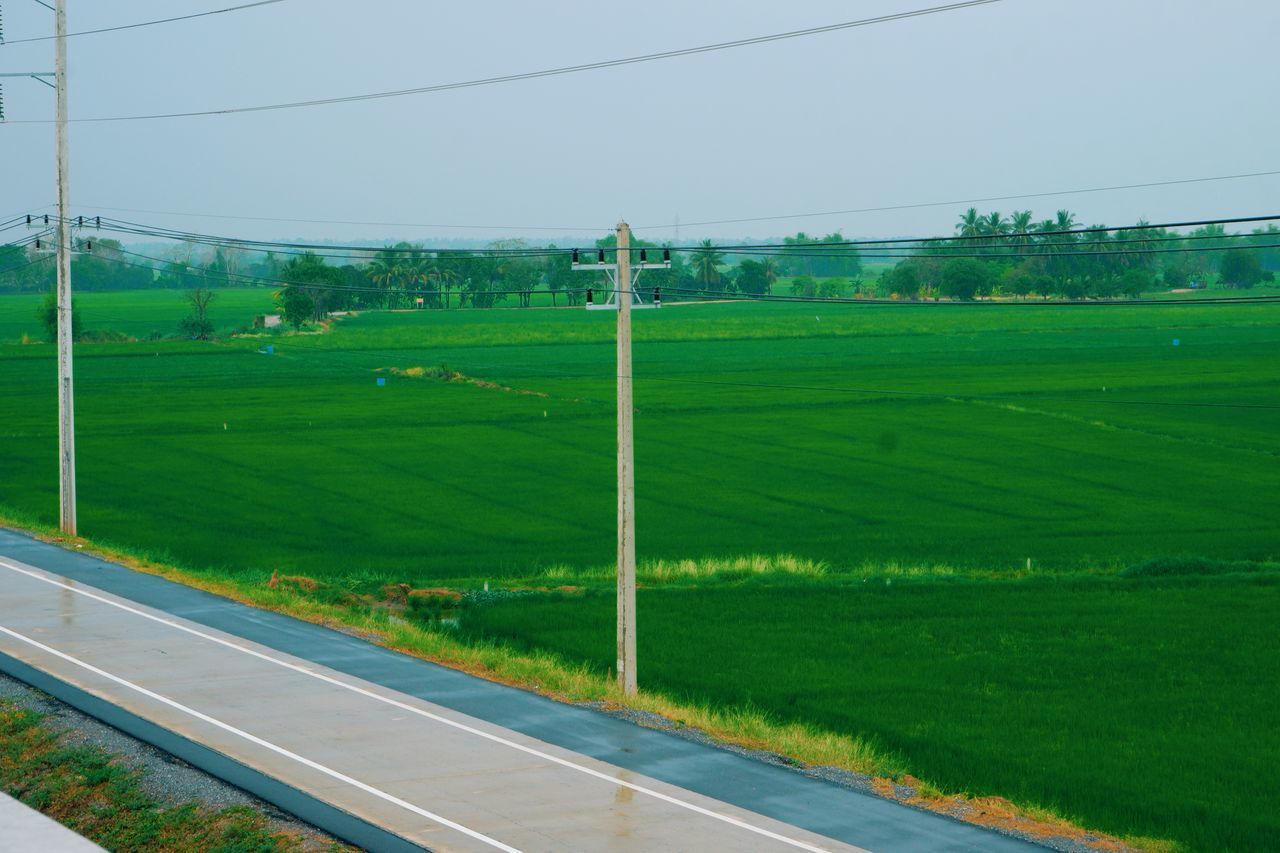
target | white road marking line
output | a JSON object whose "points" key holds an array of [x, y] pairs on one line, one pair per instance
{"points": [[342, 777], [38, 575]]}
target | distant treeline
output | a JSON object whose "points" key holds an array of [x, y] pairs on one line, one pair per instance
{"points": [[988, 255]]}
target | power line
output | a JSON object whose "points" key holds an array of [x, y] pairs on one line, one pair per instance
{"points": [[918, 205], [561, 228], [977, 238], [549, 72], [146, 23], [820, 248], [566, 228]]}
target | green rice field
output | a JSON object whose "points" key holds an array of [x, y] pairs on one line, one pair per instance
{"points": [[970, 435], [1143, 707], [134, 313], [974, 478]]}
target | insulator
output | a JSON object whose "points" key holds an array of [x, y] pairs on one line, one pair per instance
{"points": [[575, 256], [38, 245], [657, 296], [88, 245], [46, 219], [644, 256], [589, 299], [666, 256], [79, 221], [28, 218], [97, 222], [600, 257]]}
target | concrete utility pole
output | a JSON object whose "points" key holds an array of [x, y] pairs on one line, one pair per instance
{"points": [[623, 299], [66, 399], [626, 476]]}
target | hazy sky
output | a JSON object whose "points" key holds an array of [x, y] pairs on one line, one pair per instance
{"points": [[1015, 97]]}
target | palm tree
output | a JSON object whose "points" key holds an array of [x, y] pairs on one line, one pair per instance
{"points": [[1020, 229], [706, 263], [993, 225], [968, 226], [769, 272], [384, 271]]}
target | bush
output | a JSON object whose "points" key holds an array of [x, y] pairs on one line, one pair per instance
{"points": [[47, 313]]}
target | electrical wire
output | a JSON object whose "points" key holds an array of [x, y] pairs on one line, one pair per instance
{"points": [[977, 239], [919, 205], [558, 228], [566, 228], [146, 23], [548, 72]]}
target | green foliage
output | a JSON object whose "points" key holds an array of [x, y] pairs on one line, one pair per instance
{"points": [[804, 285], [1135, 708], [1241, 269], [47, 314], [756, 277], [297, 305], [964, 278]]}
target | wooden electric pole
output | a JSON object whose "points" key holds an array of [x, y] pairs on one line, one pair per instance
{"points": [[66, 399], [626, 476]]}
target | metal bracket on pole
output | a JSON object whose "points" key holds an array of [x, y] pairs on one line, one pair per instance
{"points": [[610, 302]]}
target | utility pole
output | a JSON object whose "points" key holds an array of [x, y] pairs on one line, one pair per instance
{"points": [[626, 476], [66, 399], [623, 299]]}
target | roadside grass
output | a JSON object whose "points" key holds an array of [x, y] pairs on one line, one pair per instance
{"points": [[85, 789]]}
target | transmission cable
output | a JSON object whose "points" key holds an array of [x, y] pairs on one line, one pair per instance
{"points": [[146, 23], [964, 201], [548, 72]]}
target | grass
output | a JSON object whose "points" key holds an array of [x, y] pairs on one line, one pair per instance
{"points": [[135, 313], [975, 437], [84, 788], [947, 450], [1138, 707]]}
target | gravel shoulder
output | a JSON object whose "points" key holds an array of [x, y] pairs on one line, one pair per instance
{"points": [[167, 779]]}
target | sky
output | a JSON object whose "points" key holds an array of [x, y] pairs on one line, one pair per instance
{"points": [[1018, 96]]}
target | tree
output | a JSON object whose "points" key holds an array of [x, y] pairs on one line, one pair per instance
{"points": [[964, 278], [1241, 268], [197, 324], [47, 313], [297, 306], [752, 278], [993, 225], [969, 224], [309, 275], [903, 279], [831, 288], [706, 265], [804, 285], [1134, 282]]}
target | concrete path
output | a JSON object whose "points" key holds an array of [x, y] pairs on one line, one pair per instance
{"points": [[392, 752], [25, 830]]}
